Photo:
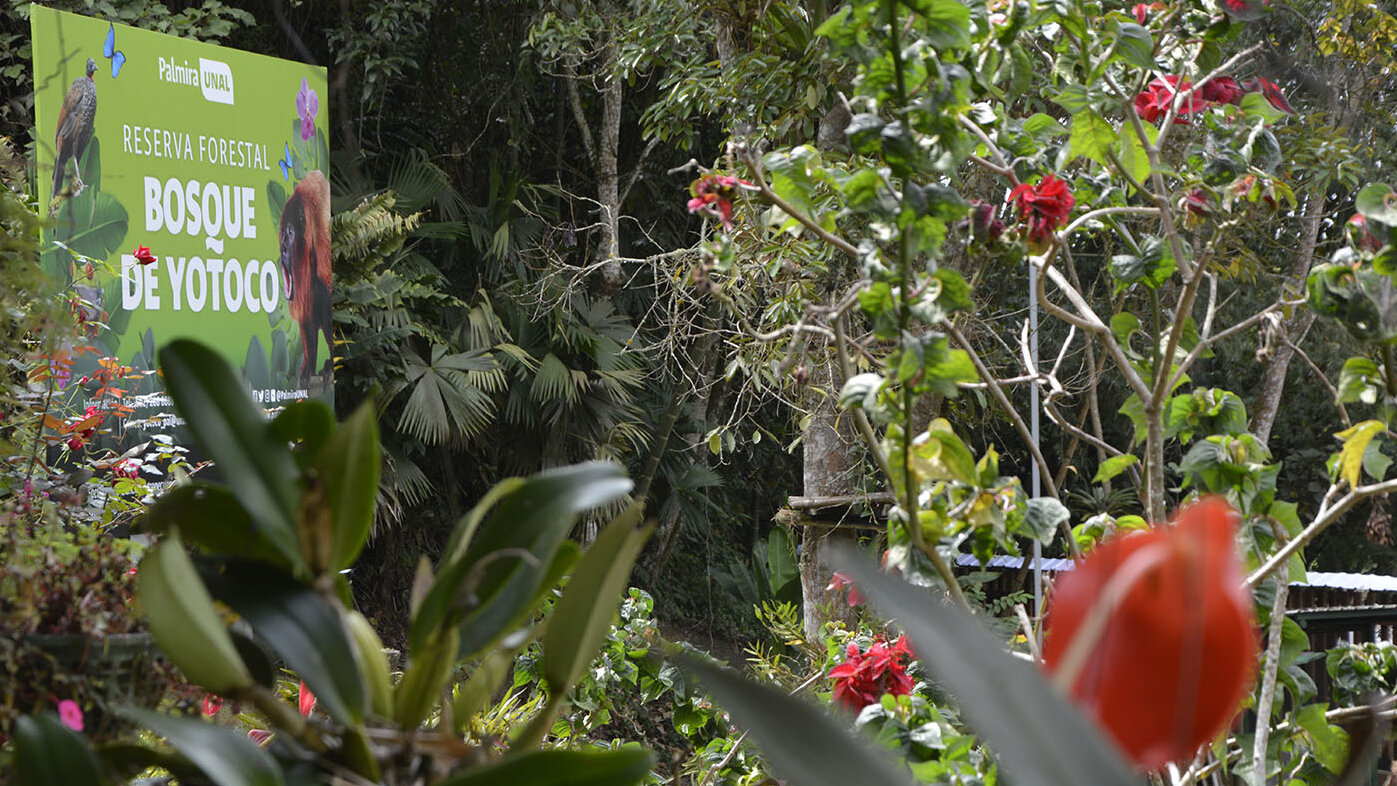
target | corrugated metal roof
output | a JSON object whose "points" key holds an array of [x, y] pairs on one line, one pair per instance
{"points": [[1348, 581]]}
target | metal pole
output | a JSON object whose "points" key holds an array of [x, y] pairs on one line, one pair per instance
{"points": [[1033, 408]]}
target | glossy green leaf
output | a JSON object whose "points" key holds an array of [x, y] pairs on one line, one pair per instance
{"points": [[349, 465], [211, 517], [505, 561], [620, 767], [1134, 45], [1004, 699], [1092, 137], [500, 618], [1114, 466], [1043, 516], [47, 753], [1376, 201], [302, 628], [256, 463], [305, 424], [583, 615], [804, 745], [225, 755]]}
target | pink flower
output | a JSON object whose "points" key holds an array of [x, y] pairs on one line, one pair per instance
{"points": [[70, 714], [1044, 206], [260, 736], [127, 468], [212, 704], [307, 106], [864, 677], [305, 700]]}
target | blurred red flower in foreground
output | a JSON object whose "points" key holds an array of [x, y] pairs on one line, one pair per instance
{"points": [[864, 677], [305, 700], [1175, 645], [1045, 206]]}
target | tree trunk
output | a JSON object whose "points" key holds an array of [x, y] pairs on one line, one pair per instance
{"points": [[827, 473], [609, 180], [1268, 396]]}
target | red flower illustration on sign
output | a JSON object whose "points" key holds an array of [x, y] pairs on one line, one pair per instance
{"points": [[1044, 207], [1156, 633], [143, 255], [864, 677]]}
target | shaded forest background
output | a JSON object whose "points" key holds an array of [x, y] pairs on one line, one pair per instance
{"points": [[520, 285]]}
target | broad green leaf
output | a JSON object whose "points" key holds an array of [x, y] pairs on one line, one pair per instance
{"points": [[1042, 124], [1358, 381], [1375, 462], [225, 755], [99, 224], [583, 615], [1005, 700], [860, 390], [1256, 105], [349, 467], [1377, 202], [219, 411], [531, 520], [1329, 743], [500, 618], [939, 454], [305, 630], [182, 617], [1043, 516], [211, 517], [1133, 155], [1092, 137], [804, 745], [47, 753], [620, 767], [1114, 466], [306, 424], [1356, 439], [1074, 99], [1134, 45]]}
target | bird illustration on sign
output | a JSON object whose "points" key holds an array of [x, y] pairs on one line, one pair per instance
{"points": [[76, 120]]}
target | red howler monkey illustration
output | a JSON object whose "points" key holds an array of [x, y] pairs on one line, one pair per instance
{"points": [[305, 265]]}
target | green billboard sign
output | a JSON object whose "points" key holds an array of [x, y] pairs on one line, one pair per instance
{"points": [[186, 190]]}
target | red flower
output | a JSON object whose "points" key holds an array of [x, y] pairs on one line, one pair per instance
{"points": [[1271, 90], [75, 443], [1154, 101], [143, 255], [1221, 90], [713, 194], [864, 677], [1045, 206], [305, 700], [259, 736], [1176, 652], [126, 468], [838, 582], [212, 704], [1142, 12], [89, 270]]}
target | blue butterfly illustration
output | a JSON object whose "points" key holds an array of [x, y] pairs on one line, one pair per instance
{"points": [[110, 52], [286, 164]]}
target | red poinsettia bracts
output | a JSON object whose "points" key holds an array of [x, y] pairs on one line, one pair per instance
{"points": [[1044, 207], [864, 677], [1168, 636]]}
